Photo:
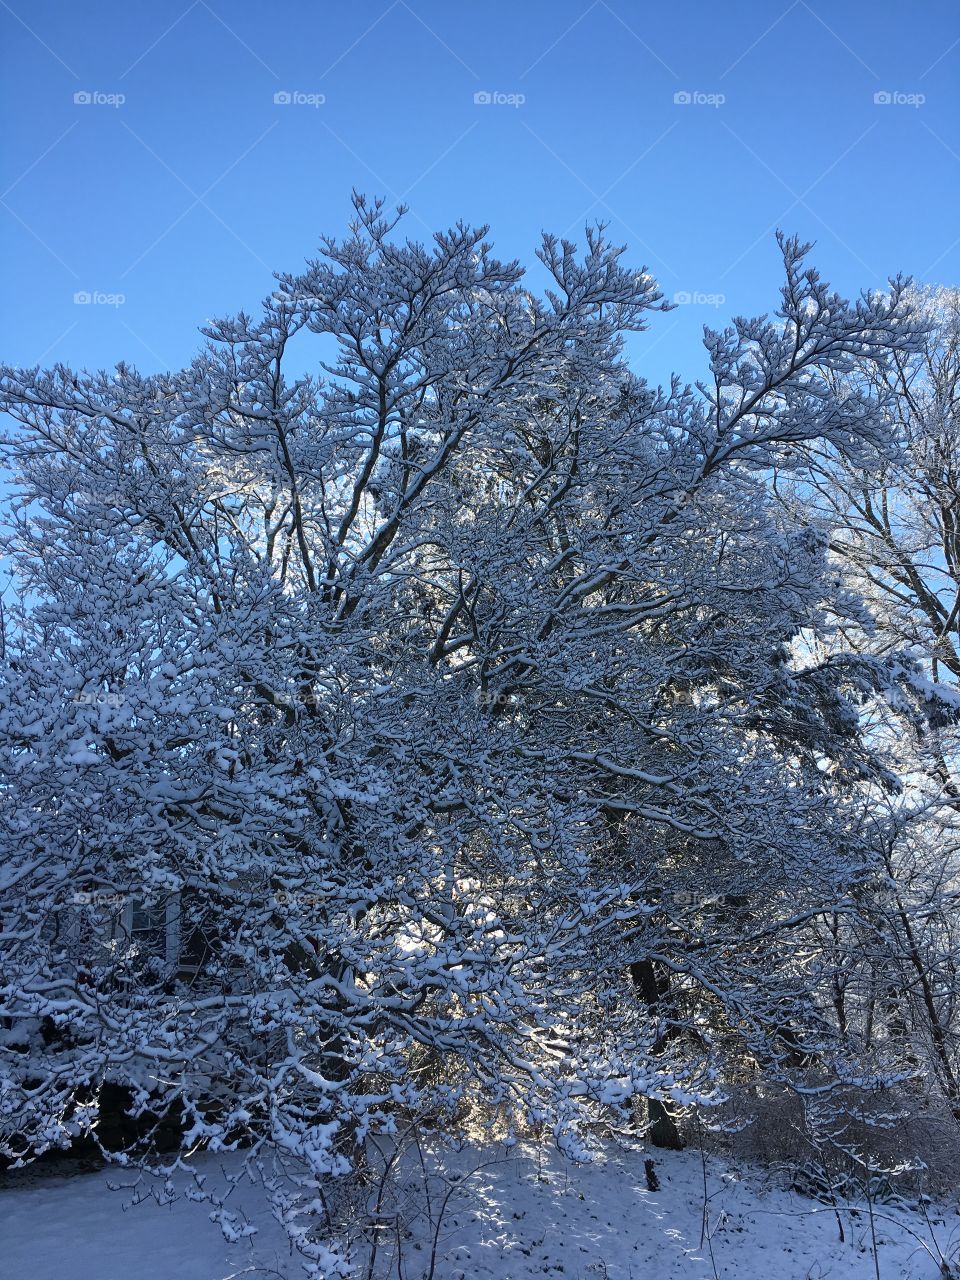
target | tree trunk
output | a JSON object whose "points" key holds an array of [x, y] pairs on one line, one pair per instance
{"points": [[653, 985]]}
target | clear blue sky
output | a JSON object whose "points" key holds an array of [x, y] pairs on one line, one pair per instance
{"points": [[186, 196]]}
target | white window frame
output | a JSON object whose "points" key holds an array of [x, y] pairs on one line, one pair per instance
{"points": [[171, 925]]}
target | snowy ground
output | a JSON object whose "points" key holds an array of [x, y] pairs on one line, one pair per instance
{"points": [[512, 1220]]}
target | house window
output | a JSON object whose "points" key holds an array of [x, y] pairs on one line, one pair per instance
{"points": [[161, 930], [153, 928]]}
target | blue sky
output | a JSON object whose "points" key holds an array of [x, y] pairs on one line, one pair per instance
{"points": [[183, 197]]}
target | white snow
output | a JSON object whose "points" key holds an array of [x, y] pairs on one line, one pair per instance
{"points": [[521, 1217]]}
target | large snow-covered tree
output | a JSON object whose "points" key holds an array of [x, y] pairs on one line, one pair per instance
{"points": [[890, 511], [443, 706]]}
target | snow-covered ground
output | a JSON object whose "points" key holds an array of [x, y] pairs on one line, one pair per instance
{"points": [[518, 1218]]}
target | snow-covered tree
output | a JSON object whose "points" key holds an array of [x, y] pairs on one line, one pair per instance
{"points": [[890, 512], [426, 735], [893, 510]]}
